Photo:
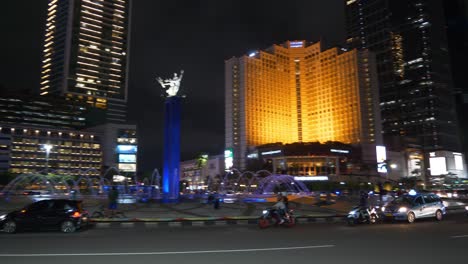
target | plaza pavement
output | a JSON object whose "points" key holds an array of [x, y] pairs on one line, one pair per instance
{"points": [[194, 209]]}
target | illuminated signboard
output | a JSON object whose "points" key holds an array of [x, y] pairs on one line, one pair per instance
{"points": [[311, 178], [127, 140], [438, 166], [252, 156], [339, 150], [296, 44], [130, 167], [228, 158], [381, 157], [271, 152], [127, 149], [127, 158]]}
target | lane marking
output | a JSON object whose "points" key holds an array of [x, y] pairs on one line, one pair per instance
{"points": [[166, 252], [459, 236]]}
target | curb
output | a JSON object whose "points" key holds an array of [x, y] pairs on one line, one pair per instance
{"points": [[206, 221]]}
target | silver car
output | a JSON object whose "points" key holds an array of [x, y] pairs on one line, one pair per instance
{"points": [[411, 207]]}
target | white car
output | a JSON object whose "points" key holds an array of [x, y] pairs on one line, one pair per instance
{"points": [[411, 207]]}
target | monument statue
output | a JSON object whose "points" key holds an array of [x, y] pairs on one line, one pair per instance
{"points": [[172, 85]]}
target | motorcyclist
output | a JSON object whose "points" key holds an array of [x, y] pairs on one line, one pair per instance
{"points": [[363, 204], [280, 209]]}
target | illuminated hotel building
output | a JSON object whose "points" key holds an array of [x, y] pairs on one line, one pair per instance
{"points": [[85, 54], [297, 92]]}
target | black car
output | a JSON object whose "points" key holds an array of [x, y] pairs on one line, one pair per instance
{"points": [[65, 215]]}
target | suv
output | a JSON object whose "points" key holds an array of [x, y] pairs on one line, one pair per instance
{"points": [[411, 207], [65, 215]]}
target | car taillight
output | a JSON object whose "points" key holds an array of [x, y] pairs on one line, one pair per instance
{"points": [[76, 214]]}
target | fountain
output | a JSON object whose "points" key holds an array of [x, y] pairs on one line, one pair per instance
{"points": [[259, 182], [281, 183], [58, 182]]}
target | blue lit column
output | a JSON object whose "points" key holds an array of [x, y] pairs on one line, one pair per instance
{"points": [[171, 149]]}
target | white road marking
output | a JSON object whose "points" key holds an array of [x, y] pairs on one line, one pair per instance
{"points": [[166, 253], [459, 236]]}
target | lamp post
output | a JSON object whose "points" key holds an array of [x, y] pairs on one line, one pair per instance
{"points": [[47, 148]]}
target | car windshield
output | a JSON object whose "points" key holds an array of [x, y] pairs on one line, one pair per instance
{"points": [[403, 200]]}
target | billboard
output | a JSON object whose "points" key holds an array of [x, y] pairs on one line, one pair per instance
{"points": [[127, 158], [130, 167], [438, 166], [127, 149], [458, 161], [228, 158], [381, 158]]}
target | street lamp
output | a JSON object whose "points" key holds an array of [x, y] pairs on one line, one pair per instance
{"points": [[47, 148]]}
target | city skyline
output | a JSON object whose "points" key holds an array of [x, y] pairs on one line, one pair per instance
{"points": [[170, 36]]}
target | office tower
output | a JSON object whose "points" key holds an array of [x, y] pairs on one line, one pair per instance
{"points": [[73, 152], [42, 111], [409, 39], [85, 55], [456, 13], [296, 92]]}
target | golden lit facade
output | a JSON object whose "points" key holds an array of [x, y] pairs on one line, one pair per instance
{"points": [[298, 93], [85, 54]]}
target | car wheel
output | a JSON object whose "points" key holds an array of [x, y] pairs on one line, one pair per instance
{"points": [[292, 222], [263, 223], [439, 215], [411, 217], [68, 227], [9, 227]]}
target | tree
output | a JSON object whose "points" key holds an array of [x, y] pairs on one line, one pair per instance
{"points": [[6, 177]]}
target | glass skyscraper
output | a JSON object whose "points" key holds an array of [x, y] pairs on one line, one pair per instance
{"points": [[416, 90], [85, 54]]}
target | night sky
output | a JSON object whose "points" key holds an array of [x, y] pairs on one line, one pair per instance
{"points": [[167, 36]]}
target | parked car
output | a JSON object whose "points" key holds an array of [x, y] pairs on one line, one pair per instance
{"points": [[62, 214], [410, 207]]}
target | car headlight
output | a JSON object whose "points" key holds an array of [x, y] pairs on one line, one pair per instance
{"points": [[402, 210], [466, 207], [264, 211], [383, 208], [2, 217]]}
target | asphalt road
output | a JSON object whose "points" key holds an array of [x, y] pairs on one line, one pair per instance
{"points": [[422, 242]]}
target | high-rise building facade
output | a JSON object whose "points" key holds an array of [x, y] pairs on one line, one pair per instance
{"points": [[456, 13], [22, 150], [42, 111], [416, 91], [296, 92], [85, 55]]}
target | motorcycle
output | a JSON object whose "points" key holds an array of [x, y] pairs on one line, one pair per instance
{"points": [[361, 215], [270, 216]]}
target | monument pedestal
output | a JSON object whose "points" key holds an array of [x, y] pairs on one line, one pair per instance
{"points": [[171, 156]]}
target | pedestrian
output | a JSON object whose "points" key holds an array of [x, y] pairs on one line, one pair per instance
{"points": [[216, 202], [73, 194], [210, 198], [113, 195]]}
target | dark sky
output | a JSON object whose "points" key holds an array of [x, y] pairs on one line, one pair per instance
{"points": [[167, 36]]}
